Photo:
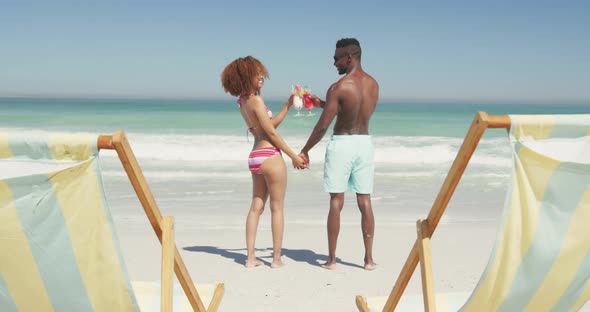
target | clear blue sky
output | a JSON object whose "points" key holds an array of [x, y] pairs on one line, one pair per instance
{"points": [[417, 50]]}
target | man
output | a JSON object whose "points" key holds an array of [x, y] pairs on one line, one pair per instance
{"points": [[349, 154]]}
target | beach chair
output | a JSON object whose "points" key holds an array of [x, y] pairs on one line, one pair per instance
{"points": [[541, 258], [59, 249]]}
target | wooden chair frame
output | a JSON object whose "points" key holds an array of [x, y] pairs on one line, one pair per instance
{"points": [[420, 251], [163, 227]]}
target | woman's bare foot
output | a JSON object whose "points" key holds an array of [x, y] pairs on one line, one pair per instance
{"points": [[329, 265], [370, 266], [277, 264], [253, 263]]}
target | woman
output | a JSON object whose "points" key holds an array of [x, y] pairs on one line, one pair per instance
{"points": [[244, 78]]}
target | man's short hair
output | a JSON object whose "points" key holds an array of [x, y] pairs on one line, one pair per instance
{"points": [[351, 45]]}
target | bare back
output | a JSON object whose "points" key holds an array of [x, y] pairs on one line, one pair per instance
{"points": [[262, 125], [357, 94], [252, 120]]}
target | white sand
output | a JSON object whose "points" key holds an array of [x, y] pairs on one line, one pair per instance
{"points": [[210, 237], [214, 254]]}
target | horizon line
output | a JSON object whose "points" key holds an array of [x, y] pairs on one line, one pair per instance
{"points": [[410, 100]]}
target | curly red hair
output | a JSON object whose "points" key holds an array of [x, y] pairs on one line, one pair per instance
{"points": [[239, 77]]}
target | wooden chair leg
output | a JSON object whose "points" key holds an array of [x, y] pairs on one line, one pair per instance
{"points": [[146, 198], [216, 300], [361, 304], [426, 265], [168, 248]]}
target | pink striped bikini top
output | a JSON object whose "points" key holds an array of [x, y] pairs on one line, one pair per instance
{"points": [[268, 111]]}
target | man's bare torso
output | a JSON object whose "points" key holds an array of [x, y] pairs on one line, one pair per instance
{"points": [[357, 94]]}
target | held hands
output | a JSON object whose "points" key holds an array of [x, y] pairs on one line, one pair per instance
{"points": [[299, 162], [305, 158]]}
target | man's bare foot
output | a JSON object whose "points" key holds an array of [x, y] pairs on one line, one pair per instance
{"points": [[329, 265], [370, 266], [253, 263], [277, 264]]}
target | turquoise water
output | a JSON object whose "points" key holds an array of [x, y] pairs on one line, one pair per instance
{"points": [[194, 151], [221, 117]]}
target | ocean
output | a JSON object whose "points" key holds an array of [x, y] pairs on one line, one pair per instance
{"points": [[193, 154]]}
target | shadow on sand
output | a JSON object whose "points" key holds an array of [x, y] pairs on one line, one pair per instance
{"points": [[238, 257], [299, 255]]}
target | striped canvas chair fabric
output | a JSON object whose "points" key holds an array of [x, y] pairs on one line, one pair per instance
{"points": [[541, 259], [58, 246]]}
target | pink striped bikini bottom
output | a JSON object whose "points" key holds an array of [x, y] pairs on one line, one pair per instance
{"points": [[258, 156]]}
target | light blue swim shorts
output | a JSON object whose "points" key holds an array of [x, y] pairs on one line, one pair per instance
{"points": [[349, 165]]}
